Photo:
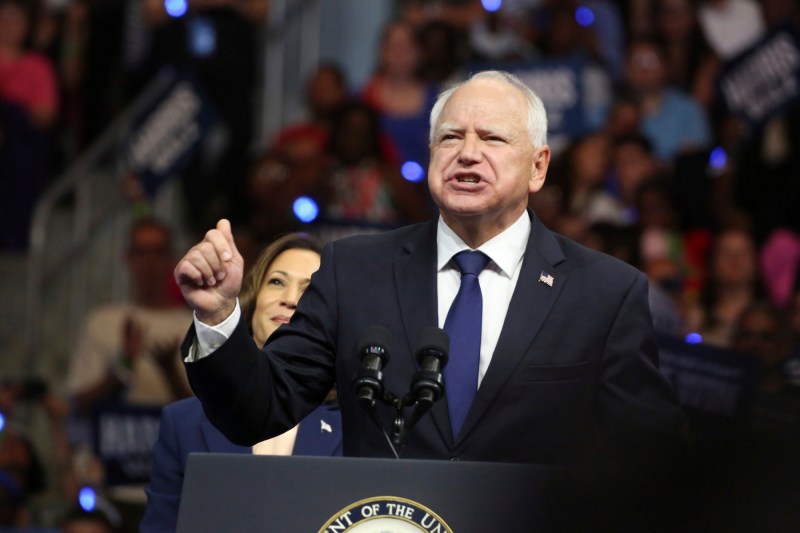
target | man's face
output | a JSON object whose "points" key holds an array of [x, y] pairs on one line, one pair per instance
{"points": [[149, 259], [645, 68], [483, 164]]}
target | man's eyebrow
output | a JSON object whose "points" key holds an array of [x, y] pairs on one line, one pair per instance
{"points": [[446, 126]]}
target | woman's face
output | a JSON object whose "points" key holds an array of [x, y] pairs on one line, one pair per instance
{"points": [[735, 258], [399, 53], [286, 279]]}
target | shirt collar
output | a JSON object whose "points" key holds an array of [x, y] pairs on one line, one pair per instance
{"points": [[505, 249]]}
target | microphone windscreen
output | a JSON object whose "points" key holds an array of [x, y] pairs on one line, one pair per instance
{"points": [[375, 336], [433, 339]]}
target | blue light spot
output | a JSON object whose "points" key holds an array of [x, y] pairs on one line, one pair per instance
{"points": [[694, 338], [87, 498], [584, 16], [175, 8], [2, 421], [718, 158], [412, 171], [305, 209], [492, 5], [202, 37]]}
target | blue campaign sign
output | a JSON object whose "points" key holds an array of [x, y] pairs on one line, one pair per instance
{"points": [[169, 132], [708, 380], [764, 81], [124, 436], [560, 85]]}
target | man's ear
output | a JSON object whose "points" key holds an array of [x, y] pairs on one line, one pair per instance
{"points": [[541, 160]]}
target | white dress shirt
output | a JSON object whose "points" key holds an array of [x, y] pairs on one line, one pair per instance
{"points": [[497, 282]]}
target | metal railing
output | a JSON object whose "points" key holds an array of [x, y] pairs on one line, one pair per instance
{"points": [[49, 261]]}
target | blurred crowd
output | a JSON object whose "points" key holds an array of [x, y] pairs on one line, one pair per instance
{"points": [[650, 164]]}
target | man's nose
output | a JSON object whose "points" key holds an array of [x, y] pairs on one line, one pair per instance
{"points": [[470, 152]]}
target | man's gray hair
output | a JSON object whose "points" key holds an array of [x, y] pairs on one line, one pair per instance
{"points": [[537, 118]]}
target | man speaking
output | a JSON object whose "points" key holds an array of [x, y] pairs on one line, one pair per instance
{"points": [[552, 355]]}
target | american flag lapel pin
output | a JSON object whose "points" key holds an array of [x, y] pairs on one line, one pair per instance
{"points": [[546, 278], [324, 427]]}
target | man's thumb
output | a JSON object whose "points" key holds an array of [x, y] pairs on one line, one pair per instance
{"points": [[224, 227]]}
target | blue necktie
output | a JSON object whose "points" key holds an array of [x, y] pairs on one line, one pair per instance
{"points": [[463, 324]]}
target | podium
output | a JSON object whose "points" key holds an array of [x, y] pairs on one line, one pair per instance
{"points": [[246, 493]]}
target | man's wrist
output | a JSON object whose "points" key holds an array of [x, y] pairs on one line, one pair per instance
{"points": [[217, 317]]}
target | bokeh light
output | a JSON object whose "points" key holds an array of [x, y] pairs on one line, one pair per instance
{"points": [[584, 16], [87, 498], [412, 171], [718, 158], [175, 8], [305, 209], [492, 5], [694, 338]]}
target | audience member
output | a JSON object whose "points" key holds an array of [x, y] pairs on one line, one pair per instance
{"points": [[22, 475], [780, 263], [360, 185], [671, 119], [269, 296], [399, 95], [28, 110], [127, 351], [443, 52], [763, 330], [624, 116], [273, 185], [27, 78], [732, 283], [581, 173], [690, 64], [305, 142], [215, 43], [632, 163], [497, 37]]}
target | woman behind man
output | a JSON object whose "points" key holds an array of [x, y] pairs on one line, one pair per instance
{"points": [[268, 299]]}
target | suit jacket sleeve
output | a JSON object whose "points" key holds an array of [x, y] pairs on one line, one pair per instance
{"points": [[251, 395], [639, 413]]}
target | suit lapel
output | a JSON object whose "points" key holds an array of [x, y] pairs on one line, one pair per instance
{"points": [[530, 304], [415, 274]]}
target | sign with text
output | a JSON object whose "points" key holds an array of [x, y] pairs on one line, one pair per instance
{"points": [[560, 85], [124, 436], [765, 80], [708, 380], [168, 133]]}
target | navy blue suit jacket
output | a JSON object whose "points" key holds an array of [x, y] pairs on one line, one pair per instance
{"points": [[575, 369], [185, 429]]}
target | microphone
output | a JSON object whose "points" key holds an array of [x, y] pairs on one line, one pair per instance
{"points": [[427, 386], [368, 383]]}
